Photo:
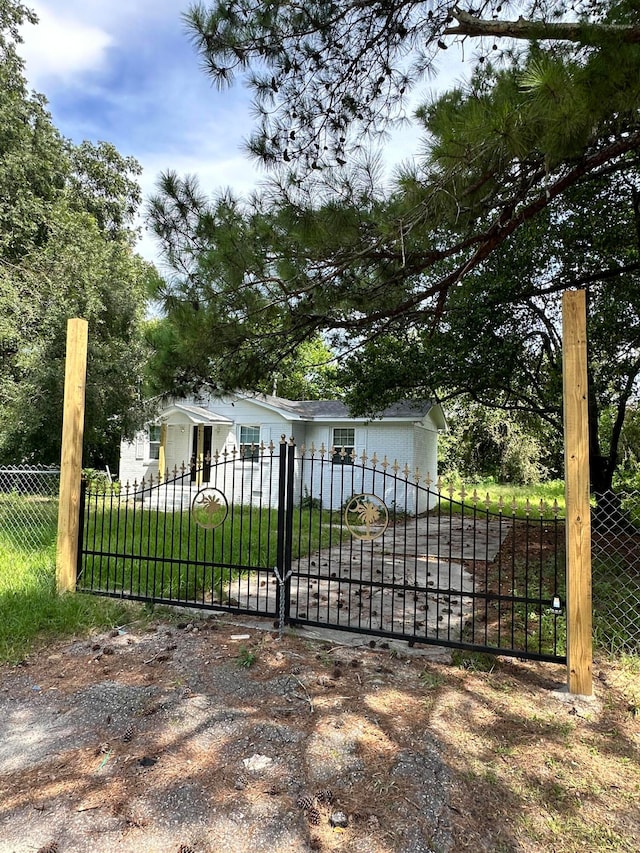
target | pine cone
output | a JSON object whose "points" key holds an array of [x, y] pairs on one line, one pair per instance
{"points": [[186, 848], [313, 816], [304, 801], [51, 847], [325, 796], [128, 734]]}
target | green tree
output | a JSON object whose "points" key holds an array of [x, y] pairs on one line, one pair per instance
{"points": [[555, 111], [32, 165], [66, 249], [499, 342], [76, 274], [323, 74], [530, 145], [104, 183], [311, 373], [482, 442]]}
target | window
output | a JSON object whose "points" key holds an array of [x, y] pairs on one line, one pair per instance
{"points": [[344, 442], [249, 441], [154, 441]]}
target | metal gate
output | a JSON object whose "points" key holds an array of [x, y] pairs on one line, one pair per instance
{"points": [[318, 537]]}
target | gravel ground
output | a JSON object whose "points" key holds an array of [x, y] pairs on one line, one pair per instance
{"points": [[210, 736]]}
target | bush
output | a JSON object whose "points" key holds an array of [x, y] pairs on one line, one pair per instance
{"points": [[484, 442], [100, 481], [307, 502]]}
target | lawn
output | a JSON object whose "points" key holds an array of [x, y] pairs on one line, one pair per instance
{"points": [[30, 610], [532, 501]]}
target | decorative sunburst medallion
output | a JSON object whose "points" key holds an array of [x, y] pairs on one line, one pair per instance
{"points": [[209, 508], [366, 517]]}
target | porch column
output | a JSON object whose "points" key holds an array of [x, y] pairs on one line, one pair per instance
{"points": [[162, 458]]}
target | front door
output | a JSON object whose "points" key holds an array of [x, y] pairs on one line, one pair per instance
{"points": [[201, 453]]}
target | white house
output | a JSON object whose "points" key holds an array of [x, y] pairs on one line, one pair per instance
{"points": [[232, 428]]}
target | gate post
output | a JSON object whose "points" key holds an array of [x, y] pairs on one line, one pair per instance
{"points": [[288, 530], [71, 455], [578, 512], [285, 528]]}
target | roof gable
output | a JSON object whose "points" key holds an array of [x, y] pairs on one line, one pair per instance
{"points": [[196, 414]]}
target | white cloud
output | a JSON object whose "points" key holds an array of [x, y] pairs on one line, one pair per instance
{"points": [[62, 47]]}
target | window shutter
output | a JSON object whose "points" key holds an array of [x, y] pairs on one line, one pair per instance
{"points": [[140, 443]]}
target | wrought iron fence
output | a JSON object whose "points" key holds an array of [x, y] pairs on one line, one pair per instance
{"points": [[362, 547], [29, 505], [616, 571]]}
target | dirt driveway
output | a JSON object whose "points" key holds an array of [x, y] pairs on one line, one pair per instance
{"points": [[212, 736]]}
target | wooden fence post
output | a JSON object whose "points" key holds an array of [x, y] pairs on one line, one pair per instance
{"points": [[71, 455], [576, 472]]}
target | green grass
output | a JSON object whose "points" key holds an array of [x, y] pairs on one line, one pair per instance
{"points": [[30, 609], [196, 563], [508, 498]]}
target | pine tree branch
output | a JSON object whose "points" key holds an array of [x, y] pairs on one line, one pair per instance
{"points": [[485, 241], [573, 31]]}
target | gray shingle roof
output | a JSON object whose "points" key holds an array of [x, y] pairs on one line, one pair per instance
{"points": [[334, 409]]}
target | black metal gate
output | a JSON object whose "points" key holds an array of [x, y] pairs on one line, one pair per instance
{"points": [[314, 536]]}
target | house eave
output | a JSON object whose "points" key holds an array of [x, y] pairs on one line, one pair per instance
{"points": [[197, 415]]}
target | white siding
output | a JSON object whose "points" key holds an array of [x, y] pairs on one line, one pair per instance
{"points": [[403, 445], [135, 463]]}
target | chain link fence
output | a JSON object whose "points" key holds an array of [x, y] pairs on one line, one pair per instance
{"points": [[29, 513], [28, 505], [616, 571]]}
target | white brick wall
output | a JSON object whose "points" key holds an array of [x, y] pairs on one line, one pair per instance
{"points": [[134, 460]]}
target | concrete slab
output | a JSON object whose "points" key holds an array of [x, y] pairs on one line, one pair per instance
{"points": [[412, 581]]}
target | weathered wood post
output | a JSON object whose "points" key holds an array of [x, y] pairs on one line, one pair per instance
{"points": [[71, 455], [576, 472]]}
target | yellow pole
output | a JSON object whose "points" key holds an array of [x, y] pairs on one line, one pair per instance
{"points": [[162, 459], [71, 455], [578, 525]]}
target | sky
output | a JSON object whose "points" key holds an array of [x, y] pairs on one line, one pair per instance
{"points": [[125, 72]]}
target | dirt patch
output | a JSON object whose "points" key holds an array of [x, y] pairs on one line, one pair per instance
{"points": [[212, 736]]}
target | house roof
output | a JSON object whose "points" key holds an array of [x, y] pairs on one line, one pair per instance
{"points": [[334, 410]]}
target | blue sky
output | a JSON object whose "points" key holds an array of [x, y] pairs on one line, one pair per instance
{"points": [[124, 71]]}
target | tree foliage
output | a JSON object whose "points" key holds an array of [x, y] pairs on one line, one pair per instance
{"points": [[324, 73], [66, 249], [450, 282], [333, 253], [482, 441], [499, 344]]}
